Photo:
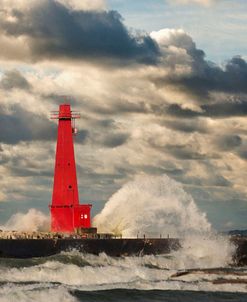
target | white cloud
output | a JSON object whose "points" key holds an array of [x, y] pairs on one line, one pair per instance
{"points": [[75, 4], [169, 36], [85, 4]]}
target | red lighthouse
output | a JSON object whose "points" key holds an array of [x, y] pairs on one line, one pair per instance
{"points": [[67, 215]]}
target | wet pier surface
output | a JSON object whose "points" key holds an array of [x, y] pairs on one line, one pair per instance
{"points": [[26, 248], [35, 244]]}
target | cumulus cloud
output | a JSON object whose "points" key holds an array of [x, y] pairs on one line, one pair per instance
{"points": [[179, 51], [85, 4], [52, 30], [189, 71]]}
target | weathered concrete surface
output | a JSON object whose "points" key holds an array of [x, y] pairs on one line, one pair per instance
{"points": [[27, 248], [42, 247]]}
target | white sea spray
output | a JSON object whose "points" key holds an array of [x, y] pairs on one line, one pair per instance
{"points": [[158, 205], [32, 221]]}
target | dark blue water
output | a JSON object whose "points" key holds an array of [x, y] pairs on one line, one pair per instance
{"points": [[72, 277]]}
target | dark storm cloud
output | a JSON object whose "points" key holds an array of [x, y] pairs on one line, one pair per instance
{"points": [[225, 109], [231, 79], [81, 136], [54, 30], [14, 79], [243, 153], [216, 110], [115, 140], [178, 111], [187, 126], [184, 152], [106, 123], [228, 142], [106, 133], [207, 77], [22, 125], [3, 157]]}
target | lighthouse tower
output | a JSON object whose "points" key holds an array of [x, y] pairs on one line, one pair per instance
{"points": [[67, 215]]}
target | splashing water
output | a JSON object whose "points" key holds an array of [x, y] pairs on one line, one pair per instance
{"points": [[152, 206], [157, 206], [33, 220]]}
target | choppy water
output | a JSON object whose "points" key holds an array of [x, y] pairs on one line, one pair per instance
{"points": [[147, 205], [77, 277]]}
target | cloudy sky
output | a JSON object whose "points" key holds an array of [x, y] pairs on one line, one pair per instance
{"points": [[161, 87]]}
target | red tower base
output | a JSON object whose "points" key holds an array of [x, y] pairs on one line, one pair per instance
{"points": [[70, 218]]}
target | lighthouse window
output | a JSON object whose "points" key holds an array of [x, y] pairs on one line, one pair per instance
{"points": [[85, 216], [70, 187]]}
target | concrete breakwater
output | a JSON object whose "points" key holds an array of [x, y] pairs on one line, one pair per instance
{"points": [[41, 244], [43, 247]]}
